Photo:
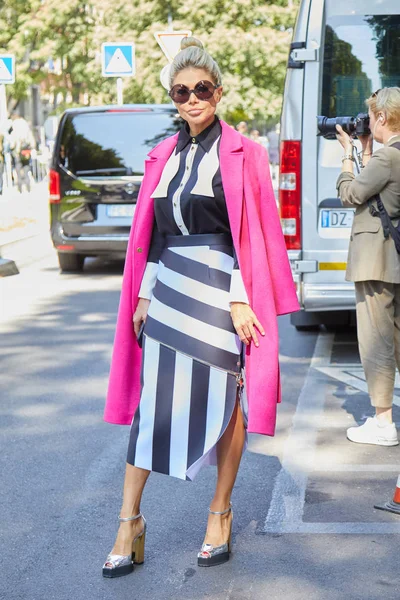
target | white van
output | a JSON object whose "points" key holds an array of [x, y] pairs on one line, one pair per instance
{"points": [[342, 51]]}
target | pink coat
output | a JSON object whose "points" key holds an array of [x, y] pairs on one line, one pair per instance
{"points": [[263, 261]]}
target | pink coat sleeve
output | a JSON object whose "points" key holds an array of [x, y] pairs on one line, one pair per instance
{"points": [[124, 381], [281, 275]]}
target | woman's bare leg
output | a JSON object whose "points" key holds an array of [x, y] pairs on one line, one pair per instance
{"points": [[135, 480], [229, 454]]}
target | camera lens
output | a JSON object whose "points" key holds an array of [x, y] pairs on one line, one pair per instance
{"points": [[327, 126], [347, 123]]}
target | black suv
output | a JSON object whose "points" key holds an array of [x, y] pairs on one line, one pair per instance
{"points": [[95, 176]]}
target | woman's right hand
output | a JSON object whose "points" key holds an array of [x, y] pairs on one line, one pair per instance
{"points": [[344, 139], [140, 314]]}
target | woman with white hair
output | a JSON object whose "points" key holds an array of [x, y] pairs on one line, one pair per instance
{"points": [[373, 262], [206, 274]]}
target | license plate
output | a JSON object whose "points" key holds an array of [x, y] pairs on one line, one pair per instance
{"points": [[337, 219], [120, 210]]}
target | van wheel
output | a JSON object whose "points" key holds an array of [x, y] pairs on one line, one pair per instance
{"points": [[70, 262]]}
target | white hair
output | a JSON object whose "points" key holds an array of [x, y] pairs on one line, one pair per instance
{"points": [[193, 55]]}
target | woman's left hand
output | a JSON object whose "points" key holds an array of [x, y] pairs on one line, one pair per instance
{"points": [[344, 139], [367, 142], [244, 320]]}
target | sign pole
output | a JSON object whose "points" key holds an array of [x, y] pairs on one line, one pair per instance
{"points": [[120, 93], [7, 76], [3, 105], [3, 124]]}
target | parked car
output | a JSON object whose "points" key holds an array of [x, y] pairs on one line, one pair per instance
{"points": [[96, 171], [342, 51]]}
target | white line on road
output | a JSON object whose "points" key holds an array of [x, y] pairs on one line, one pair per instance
{"points": [[342, 528], [288, 496], [352, 378], [333, 467], [285, 514]]}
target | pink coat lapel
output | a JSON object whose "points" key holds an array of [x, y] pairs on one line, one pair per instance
{"points": [[232, 173], [154, 166], [231, 164]]}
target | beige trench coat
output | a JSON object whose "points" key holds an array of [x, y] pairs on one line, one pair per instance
{"points": [[371, 256]]}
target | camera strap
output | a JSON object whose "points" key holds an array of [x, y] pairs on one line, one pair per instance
{"points": [[382, 213]]}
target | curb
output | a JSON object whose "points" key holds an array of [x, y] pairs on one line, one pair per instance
{"points": [[24, 250], [23, 245], [8, 267]]}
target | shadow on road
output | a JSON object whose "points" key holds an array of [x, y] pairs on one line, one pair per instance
{"points": [[62, 471], [63, 467]]}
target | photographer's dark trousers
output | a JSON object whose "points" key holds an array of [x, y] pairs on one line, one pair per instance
{"points": [[378, 330]]}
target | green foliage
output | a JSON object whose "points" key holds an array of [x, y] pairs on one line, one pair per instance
{"points": [[249, 39]]}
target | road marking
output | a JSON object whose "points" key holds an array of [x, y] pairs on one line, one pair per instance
{"points": [[288, 497], [352, 376], [343, 528], [285, 514], [333, 467]]}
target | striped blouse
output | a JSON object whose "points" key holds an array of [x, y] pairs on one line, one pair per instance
{"points": [[189, 199]]}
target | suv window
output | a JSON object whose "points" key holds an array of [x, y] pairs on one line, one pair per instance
{"points": [[361, 55], [113, 143]]}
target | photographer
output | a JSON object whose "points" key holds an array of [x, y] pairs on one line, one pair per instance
{"points": [[373, 262]]}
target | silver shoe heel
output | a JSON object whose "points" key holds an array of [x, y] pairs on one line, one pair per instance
{"points": [[211, 556], [117, 565]]}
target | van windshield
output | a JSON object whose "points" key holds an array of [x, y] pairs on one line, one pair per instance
{"points": [[104, 144], [362, 55]]}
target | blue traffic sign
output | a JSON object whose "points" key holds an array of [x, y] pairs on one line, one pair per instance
{"points": [[7, 68], [118, 60]]}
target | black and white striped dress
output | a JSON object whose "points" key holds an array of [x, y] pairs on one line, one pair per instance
{"points": [[191, 358]]}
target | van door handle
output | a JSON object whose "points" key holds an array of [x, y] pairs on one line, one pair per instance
{"points": [[305, 54], [299, 54], [305, 266]]}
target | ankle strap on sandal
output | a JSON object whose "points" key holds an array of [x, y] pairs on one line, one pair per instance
{"points": [[125, 519], [222, 512]]}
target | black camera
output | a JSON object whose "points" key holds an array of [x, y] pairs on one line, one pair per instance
{"points": [[353, 126]]}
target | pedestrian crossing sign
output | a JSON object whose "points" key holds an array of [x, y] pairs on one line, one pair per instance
{"points": [[7, 68], [118, 60]]}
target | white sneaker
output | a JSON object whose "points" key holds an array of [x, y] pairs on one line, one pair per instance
{"points": [[374, 433]]}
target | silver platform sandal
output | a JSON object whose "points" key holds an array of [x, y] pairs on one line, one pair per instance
{"points": [[118, 565], [211, 556]]}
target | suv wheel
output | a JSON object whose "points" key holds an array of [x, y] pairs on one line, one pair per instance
{"points": [[70, 262]]}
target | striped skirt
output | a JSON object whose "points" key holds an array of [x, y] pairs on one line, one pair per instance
{"points": [[191, 360]]}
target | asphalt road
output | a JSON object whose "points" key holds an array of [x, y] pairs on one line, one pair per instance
{"points": [[304, 523]]}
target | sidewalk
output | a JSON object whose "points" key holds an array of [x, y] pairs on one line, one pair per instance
{"points": [[24, 226]]}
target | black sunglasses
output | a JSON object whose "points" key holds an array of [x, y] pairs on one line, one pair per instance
{"points": [[374, 95], [203, 90]]}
